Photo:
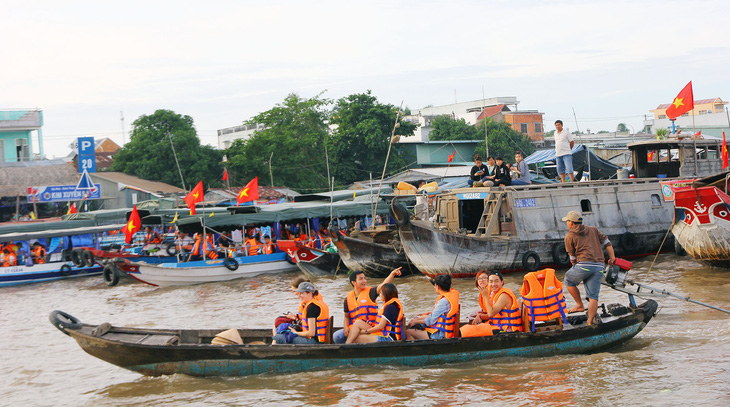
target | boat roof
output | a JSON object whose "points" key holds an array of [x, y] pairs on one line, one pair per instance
{"points": [[674, 142], [57, 229]]}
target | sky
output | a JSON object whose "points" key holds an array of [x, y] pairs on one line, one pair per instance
{"points": [[222, 62]]}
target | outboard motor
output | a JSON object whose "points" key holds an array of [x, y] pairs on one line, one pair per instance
{"points": [[616, 275]]}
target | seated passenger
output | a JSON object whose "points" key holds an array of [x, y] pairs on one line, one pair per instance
{"points": [[478, 172], [38, 253], [202, 250], [268, 247], [151, 237], [8, 258], [441, 322], [388, 324], [502, 174], [252, 246], [521, 170], [500, 306], [315, 319], [184, 243]]}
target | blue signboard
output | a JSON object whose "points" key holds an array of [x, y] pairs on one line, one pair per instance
{"points": [[472, 195], [87, 154], [62, 193], [525, 203]]}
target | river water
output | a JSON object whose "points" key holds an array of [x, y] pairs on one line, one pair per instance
{"points": [[682, 357]]}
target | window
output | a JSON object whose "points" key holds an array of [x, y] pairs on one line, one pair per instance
{"points": [[21, 147], [655, 201], [662, 116], [523, 128], [538, 127], [585, 206]]}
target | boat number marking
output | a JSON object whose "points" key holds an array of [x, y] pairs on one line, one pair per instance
{"points": [[472, 195], [525, 203]]}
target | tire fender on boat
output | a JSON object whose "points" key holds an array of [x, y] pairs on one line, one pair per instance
{"points": [[560, 255], [66, 270], [628, 242], [171, 249], [290, 260], [87, 258], [334, 234], [400, 213], [678, 249], [530, 265], [111, 276], [76, 258], [63, 321], [230, 263]]}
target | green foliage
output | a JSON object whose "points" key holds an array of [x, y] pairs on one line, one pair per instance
{"points": [[295, 132], [445, 128], [661, 134], [503, 141], [621, 127], [550, 133], [603, 132], [359, 143], [149, 155]]}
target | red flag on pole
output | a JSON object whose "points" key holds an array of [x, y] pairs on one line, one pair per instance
{"points": [[195, 196], [249, 192], [133, 226], [451, 157], [683, 103], [225, 174], [72, 209], [724, 152]]}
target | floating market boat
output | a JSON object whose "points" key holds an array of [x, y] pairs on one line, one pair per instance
{"points": [[155, 352], [521, 227], [315, 262]]}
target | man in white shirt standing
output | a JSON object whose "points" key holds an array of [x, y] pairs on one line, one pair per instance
{"points": [[563, 151]]}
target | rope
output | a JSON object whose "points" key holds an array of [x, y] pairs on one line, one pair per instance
{"points": [[660, 248]]}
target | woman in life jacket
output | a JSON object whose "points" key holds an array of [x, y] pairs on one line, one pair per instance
{"points": [[314, 321], [499, 305], [388, 325], [38, 253], [442, 321]]}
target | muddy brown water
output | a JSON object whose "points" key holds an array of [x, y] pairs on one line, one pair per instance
{"points": [[681, 358]]}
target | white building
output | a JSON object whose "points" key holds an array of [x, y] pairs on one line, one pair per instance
{"points": [[227, 136]]}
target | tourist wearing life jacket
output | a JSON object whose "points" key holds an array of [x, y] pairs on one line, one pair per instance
{"points": [[252, 246], [151, 237], [499, 305], [442, 321], [200, 248], [8, 258], [388, 325], [585, 245], [315, 318], [268, 247], [542, 295], [361, 303], [38, 253]]}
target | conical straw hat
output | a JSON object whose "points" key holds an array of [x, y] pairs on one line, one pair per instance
{"points": [[231, 336]]}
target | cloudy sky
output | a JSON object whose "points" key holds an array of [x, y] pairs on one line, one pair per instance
{"points": [[222, 62]]}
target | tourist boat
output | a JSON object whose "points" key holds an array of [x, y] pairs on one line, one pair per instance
{"points": [[315, 262], [155, 352], [702, 218], [376, 252], [521, 227]]}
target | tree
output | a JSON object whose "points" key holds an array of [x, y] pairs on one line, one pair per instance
{"points": [[295, 132], [550, 133], [445, 128], [359, 143], [503, 140], [148, 154], [621, 127]]}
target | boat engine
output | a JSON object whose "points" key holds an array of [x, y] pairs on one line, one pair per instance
{"points": [[616, 275]]}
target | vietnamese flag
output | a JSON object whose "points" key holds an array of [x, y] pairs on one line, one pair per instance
{"points": [[724, 152], [683, 103], [249, 192], [133, 226], [451, 157], [225, 174], [195, 196], [72, 209], [650, 155]]}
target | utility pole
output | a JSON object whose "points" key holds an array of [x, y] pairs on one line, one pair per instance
{"points": [[124, 133]]}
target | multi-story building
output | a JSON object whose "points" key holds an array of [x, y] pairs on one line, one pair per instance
{"points": [[227, 136], [16, 128], [708, 116]]}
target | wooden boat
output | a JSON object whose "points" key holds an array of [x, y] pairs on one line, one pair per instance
{"points": [[521, 227], [155, 352], [375, 252], [208, 271], [702, 219], [317, 262]]}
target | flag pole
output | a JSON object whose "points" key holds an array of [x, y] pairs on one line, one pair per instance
{"points": [[694, 136]]}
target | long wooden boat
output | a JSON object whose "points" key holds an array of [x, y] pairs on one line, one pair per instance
{"points": [[155, 352], [208, 271], [374, 252], [317, 262]]}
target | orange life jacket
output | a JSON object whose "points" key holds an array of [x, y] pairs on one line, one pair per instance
{"points": [[392, 327], [208, 250], [253, 247], [209, 238], [300, 313], [230, 252], [447, 323], [508, 320], [152, 238], [10, 260], [542, 294], [322, 320], [40, 253], [267, 248], [362, 307]]}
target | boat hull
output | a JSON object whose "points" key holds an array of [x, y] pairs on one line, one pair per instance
{"points": [[702, 224], [318, 263], [376, 260], [15, 275], [200, 359]]}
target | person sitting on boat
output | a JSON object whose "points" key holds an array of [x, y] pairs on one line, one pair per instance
{"points": [[252, 245], [38, 253], [226, 247], [361, 303], [585, 245], [442, 321], [502, 174], [184, 242], [8, 257], [151, 236], [315, 319], [521, 170], [388, 324], [268, 247], [202, 249], [478, 171], [498, 303]]}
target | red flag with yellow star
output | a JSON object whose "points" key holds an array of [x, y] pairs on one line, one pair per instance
{"points": [[195, 196], [683, 103], [133, 225], [451, 157], [249, 192], [724, 152]]}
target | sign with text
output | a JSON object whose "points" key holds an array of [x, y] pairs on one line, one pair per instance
{"points": [[87, 154], [62, 193]]}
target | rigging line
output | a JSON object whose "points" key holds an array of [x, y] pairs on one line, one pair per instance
{"points": [[660, 248], [390, 144]]}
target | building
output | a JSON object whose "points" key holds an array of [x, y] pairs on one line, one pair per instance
{"points": [[708, 116], [527, 122], [702, 107], [119, 190], [105, 148], [16, 131], [227, 136]]}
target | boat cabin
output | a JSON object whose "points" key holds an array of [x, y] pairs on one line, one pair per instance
{"points": [[676, 157]]}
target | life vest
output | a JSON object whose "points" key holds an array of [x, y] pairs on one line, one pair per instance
{"points": [[40, 253], [447, 323], [253, 247], [324, 239], [394, 328], [322, 320], [152, 238], [10, 260], [362, 307], [208, 250], [507, 320], [230, 252], [300, 313], [267, 248], [209, 238], [542, 294]]}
